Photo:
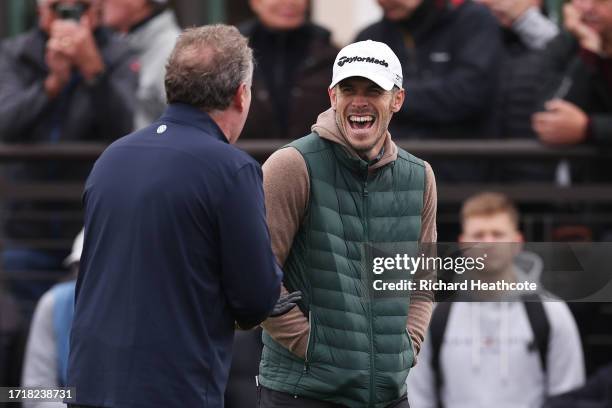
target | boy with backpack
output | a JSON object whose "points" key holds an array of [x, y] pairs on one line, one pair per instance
{"points": [[510, 353]]}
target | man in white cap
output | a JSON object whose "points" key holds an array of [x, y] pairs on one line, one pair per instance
{"points": [[328, 194]]}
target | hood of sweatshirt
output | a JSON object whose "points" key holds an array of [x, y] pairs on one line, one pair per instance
{"points": [[327, 128], [528, 267]]}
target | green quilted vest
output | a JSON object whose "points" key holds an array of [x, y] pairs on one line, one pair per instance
{"points": [[359, 352]]}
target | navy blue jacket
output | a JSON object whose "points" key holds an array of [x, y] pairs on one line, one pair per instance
{"points": [[176, 250]]}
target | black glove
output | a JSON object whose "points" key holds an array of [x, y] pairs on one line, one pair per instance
{"points": [[285, 303]]}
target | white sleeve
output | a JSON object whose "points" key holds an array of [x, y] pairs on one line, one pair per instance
{"points": [[535, 29], [565, 361], [420, 381], [40, 359]]}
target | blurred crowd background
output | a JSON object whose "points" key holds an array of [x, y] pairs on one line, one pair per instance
{"points": [[512, 96]]}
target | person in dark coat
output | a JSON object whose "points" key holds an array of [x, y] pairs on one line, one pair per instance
{"points": [[293, 59], [450, 52], [576, 97], [68, 80], [526, 31], [13, 333], [176, 244], [579, 95]]}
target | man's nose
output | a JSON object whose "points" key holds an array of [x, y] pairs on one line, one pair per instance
{"points": [[359, 101], [487, 239]]}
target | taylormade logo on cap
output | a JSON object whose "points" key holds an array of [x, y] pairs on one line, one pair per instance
{"points": [[345, 60], [368, 59]]}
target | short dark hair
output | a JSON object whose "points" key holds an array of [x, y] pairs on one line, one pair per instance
{"points": [[207, 66]]}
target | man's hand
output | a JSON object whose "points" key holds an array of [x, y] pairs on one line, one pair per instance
{"points": [[76, 42], [59, 69], [587, 37], [286, 303], [507, 11], [563, 123]]}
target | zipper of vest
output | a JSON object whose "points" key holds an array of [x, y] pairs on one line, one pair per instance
{"points": [[367, 240]]}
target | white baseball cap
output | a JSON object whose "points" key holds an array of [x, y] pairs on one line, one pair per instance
{"points": [[368, 59], [77, 249]]}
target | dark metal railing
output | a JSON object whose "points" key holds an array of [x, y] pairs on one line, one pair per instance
{"points": [[467, 148], [449, 195], [261, 149]]}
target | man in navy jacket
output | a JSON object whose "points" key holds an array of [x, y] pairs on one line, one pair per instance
{"points": [[176, 243]]}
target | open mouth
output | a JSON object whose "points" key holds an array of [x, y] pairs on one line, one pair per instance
{"points": [[361, 121]]}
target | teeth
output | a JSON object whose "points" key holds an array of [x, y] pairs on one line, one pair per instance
{"points": [[355, 118]]}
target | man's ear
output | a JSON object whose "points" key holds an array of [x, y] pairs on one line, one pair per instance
{"points": [[241, 98], [398, 100], [254, 4], [332, 97], [518, 244]]}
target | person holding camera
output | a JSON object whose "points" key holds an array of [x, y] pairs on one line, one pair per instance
{"points": [[67, 80], [578, 86]]}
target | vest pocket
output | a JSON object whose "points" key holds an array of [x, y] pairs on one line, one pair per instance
{"points": [[411, 351], [310, 341]]}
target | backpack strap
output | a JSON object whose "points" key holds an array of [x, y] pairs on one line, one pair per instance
{"points": [[539, 325], [437, 327]]}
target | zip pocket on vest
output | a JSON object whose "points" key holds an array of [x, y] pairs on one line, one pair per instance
{"points": [[308, 342], [412, 350]]}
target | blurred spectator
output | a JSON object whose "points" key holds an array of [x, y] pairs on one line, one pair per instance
{"points": [[504, 352], [293, 66], [579, 99], [594, 320], [151, 30], [67, 80], [596, 393], [525, 19], [525, 31], [450, 52], [46, 355], [11, 340]]}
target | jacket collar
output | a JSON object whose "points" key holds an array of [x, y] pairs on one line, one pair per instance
{"points": [[191, 116], [146, 20], [33, 50], [155, 25]]}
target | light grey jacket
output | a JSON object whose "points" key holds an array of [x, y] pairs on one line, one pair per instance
{"points": [[153, 42], [40, 359]]}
